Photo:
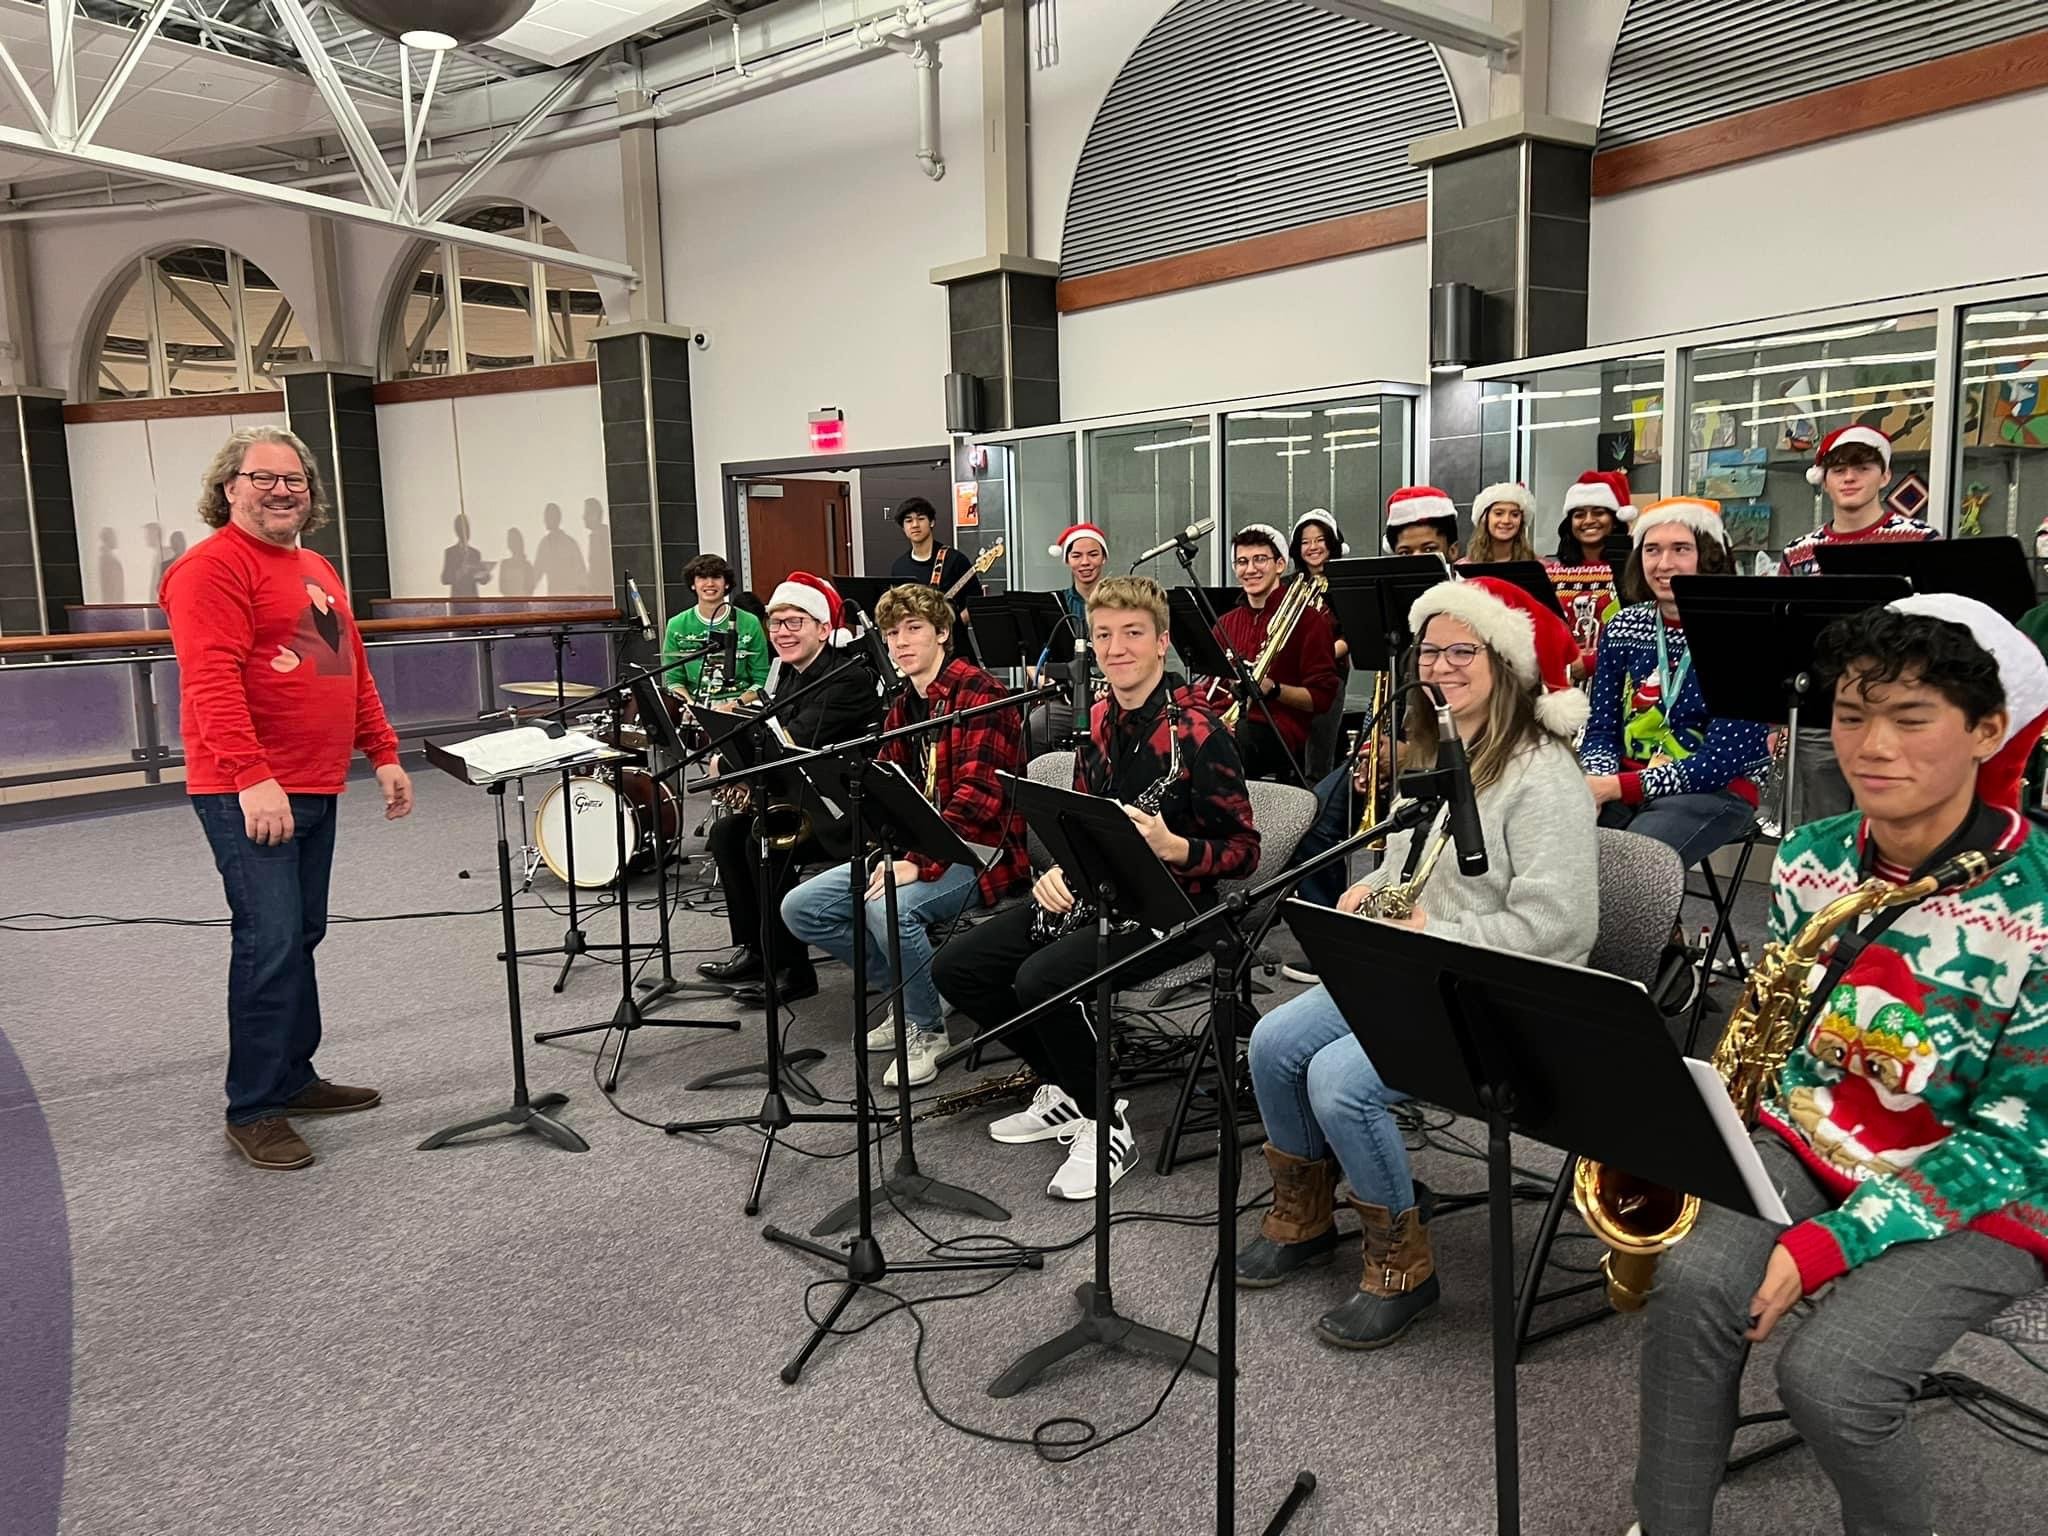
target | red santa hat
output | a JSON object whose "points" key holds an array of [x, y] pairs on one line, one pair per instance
{"points": [[1059, 547], [1418, 504], [1885, 970], [815, 596], [1509, 491], [1848, 437], [1534, 642], [1262, 533], [1698, 513], [2022, 672], [1601, 488], [1323, 518]]}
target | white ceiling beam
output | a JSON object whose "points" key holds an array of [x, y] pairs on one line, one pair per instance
{"points": [[202, 178], [130, 57], [416, 121], [63, 70], [1433, 24], [564, 88], [25, 96], [378, 183]]}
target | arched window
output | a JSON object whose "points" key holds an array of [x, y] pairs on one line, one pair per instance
{"points": [[497, 323], [196, 321]]}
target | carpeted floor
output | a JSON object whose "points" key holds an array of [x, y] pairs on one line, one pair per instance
{"points": [[506, 1338]]}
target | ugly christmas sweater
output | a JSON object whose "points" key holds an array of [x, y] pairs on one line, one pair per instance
{"points": [[1633, 724], [1918, 1094]]}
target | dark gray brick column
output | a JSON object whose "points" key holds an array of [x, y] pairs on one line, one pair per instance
{"points": [[330, 406], [40, 572], [1003, 319], [650, 459]]}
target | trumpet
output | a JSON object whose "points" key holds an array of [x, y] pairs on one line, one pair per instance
{"points": [[1376, 715]]}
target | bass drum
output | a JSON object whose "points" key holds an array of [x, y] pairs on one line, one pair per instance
{"points": [[593, 805]]}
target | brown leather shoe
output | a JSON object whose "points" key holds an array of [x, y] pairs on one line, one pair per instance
{"points": [[321, 1097], [271, 1144]]}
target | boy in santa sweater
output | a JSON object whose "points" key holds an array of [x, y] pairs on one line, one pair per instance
{"points": [[1909, 1133]]}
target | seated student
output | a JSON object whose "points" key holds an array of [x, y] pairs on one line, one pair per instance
{"points": [[1500, 662], [1316, 542], [1500, 525], [1151, 743], [1595, 505], [1422, 520], [957, 769], [1300, 680], [1657, 763], [1905, 1134], [1085, 549]]}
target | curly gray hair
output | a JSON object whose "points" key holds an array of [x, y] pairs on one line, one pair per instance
{"points": [[213, 485]]}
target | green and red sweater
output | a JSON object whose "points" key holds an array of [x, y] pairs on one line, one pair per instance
{"points": [[1919, 1094]]}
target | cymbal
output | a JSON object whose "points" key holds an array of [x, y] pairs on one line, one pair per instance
{"points": [[547, 690]]}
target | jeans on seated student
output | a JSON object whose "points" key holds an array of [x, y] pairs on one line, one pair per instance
{"points": [[820, 912], [1694, 825], [1332, 825]]}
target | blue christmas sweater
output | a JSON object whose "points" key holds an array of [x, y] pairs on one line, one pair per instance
{"points": [[1657, 746], [1918, 1093]]}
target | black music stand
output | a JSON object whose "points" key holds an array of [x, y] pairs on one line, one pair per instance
{"points": [[1194, 636], [1573, 1058], [899, 820], [1102, 853], [1371, 597], [864, 590], [1993, 570], [1529, 575]]}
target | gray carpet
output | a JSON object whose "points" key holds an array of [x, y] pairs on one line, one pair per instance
{"points": [[507, 1338]]}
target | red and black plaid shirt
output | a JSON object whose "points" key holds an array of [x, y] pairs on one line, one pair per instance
{"points": [[1128, 751], [1308, 660], [973, 800]]}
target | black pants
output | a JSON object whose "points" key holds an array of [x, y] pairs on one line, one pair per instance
{"points": [[993, 972], [1261, 750], [731, 843]]}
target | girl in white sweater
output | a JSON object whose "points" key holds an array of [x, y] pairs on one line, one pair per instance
{"points": [[1501, 663]]}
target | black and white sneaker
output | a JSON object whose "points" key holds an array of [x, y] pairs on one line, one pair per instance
{"points": [[1076, 1178], [1051, 1113]]}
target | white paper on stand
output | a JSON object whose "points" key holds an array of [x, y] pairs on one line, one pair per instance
{"points": [[1714, 1094], [519, 750]]}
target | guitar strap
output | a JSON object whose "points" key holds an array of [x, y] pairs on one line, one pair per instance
{"points": [[939, 553]]}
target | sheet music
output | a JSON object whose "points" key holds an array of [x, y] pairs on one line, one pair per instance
{"points": [[519, 750], [1714, 1094]]}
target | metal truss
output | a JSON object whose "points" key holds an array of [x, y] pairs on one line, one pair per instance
{"points": [[66, 129], [1431, 23]]}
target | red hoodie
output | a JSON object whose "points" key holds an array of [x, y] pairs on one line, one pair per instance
{"points": [[273, 682]]}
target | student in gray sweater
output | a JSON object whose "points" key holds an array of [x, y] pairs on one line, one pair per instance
{"points": [[1501, 662]]}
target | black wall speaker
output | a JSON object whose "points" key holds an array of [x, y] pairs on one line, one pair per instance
{"points": [[963, 403]]}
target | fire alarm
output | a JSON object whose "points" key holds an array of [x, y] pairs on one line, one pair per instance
{"points": [[828, 429]]}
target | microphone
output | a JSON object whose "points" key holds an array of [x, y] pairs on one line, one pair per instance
{"points": [[1084, 690], [1187, 535], [639, 608], [1464, 809], [876, 649]]}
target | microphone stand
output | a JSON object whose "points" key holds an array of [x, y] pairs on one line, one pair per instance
{"points": [[1244, 679]]}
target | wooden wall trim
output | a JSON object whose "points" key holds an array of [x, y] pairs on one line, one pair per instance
{"points": [[1966, 79], [177, 406], [498, 381], [1399, 225], [540, 620]]}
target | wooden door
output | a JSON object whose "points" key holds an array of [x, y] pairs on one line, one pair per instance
{"points": [[805, 528]]}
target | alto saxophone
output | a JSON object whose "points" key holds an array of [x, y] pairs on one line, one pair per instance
{"points": [[1399, 900], [1051, 927], [1638, 1220]]}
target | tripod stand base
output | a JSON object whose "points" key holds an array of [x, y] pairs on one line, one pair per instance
{"points": [[908, 1186], [1101, 1325], [530, 1116], [626, 1019], [794, 1080]]}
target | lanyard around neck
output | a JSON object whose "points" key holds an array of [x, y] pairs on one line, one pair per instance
{"points": [[1668, 682]]}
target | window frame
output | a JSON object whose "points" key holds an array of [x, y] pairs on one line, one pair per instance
{"points": [[547, 351], [147, 271]]}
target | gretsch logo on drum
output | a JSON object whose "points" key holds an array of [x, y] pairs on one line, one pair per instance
{"points": [[585, 801]]}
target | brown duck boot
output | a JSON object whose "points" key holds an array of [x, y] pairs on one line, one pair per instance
{"points": [[1301, 1228], [1399, 1285], [271, 1144]]}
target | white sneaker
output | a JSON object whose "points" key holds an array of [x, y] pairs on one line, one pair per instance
{"points": [[923, 1052], [1636, 1529], [1076, 1178], [1051, 1113], [1301, 972], [883, 1036]]}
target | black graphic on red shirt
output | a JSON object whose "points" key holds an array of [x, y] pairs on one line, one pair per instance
{"points": [[321, 638]]}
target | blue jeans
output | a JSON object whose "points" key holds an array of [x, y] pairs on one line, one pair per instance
{"points": [[1319, 1093], [1332, 825], [820, 912], [277, 898], [1693, 824]]}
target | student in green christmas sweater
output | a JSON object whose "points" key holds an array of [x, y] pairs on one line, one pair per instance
{"points": [[708, 679], [1909, 1135]]}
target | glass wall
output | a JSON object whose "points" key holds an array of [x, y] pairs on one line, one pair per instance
{"points": [[1345, 456], [2001, 475], [1561, 422], [1756, 409], [1145, 484], [1034, 477]]}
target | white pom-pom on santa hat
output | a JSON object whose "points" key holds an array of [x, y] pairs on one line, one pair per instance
{"points": [[1511, 491], [1534, 642], [1601, 488], [1326, 520], [1848, 437], [815, 596], [1698, 513], [1418, 504], [2022, 672], [1059, 547]]}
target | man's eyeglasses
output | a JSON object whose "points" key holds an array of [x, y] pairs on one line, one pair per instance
{"points": [[789, 624], [1456, 657], [1252, 562], [266, 480]]}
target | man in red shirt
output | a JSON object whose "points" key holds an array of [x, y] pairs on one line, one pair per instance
{"points": [[275, 691], [1300, 683]]}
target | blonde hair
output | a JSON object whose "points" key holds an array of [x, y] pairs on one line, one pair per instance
{"points": [[913, 600], [1509, 728], [1130, 594], [213, 485], [1481, 549]]}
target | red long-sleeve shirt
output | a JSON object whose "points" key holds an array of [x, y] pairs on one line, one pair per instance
{"points": [[1308, 660], [272, 679]]}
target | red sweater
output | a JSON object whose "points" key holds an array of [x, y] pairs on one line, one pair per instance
{"points": [[1308, 660], [272, 679]]}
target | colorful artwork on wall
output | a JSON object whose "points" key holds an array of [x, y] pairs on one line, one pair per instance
{"points": [[1908, 496], [1748, 521]]}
